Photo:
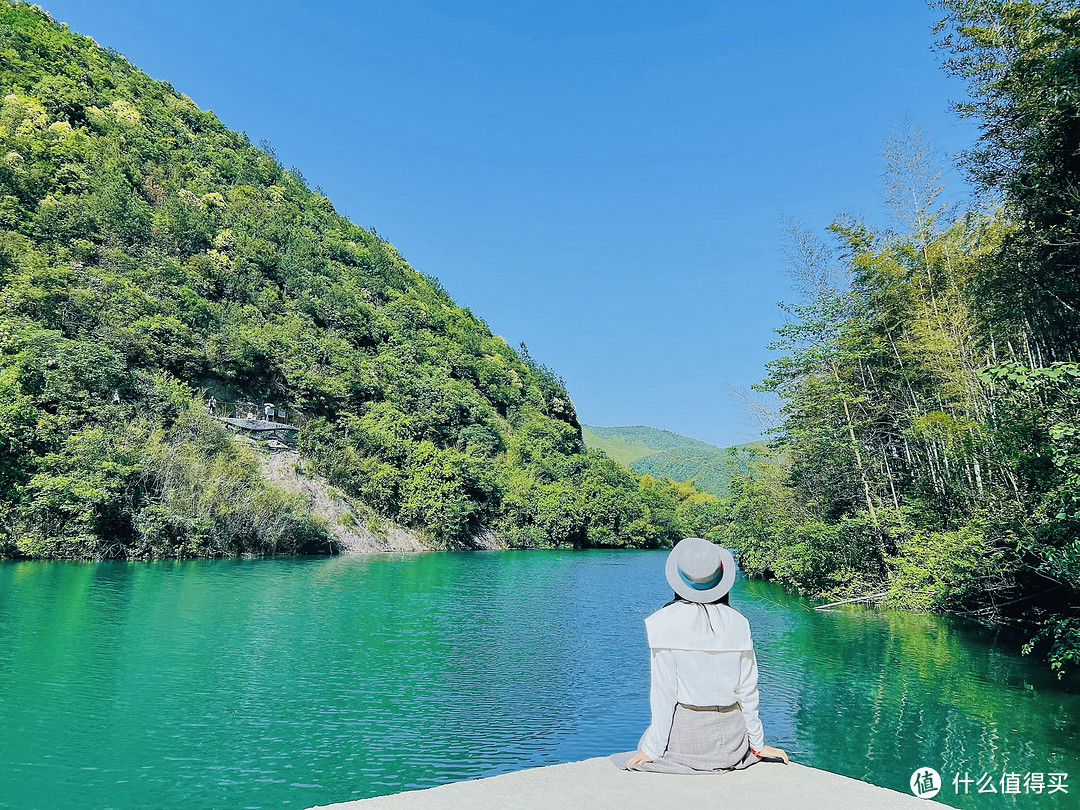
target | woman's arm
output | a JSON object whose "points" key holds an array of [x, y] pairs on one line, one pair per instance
{"points": [[662, 697], [748, 698]]}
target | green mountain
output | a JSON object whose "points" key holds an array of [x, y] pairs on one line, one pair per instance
{"points": [[661, 453], [149, 255]]}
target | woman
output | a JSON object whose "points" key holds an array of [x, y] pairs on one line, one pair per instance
{"points": [[704, 695]]}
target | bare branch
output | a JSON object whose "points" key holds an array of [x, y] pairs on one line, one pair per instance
{"points": [[813, 265], [762, 410], [913, 180]]}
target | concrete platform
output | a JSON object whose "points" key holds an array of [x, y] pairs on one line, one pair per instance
{"points": [[596, 784], [256, 425]]}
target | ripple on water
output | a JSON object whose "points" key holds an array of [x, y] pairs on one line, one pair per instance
{"points": [[304, 681]]}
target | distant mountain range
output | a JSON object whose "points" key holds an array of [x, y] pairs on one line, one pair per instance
{"points": [[663, 453]]}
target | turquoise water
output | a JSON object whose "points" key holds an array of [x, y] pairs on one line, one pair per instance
{"points": [[295, 682]]}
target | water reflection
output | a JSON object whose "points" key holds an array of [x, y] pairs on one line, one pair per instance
{"points": [[883, 693], [296, 682]]}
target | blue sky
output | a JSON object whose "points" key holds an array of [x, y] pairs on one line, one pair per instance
{"points": [[602, 180]]}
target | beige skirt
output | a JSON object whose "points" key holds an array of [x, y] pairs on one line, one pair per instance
{"points": [[703, 739]]}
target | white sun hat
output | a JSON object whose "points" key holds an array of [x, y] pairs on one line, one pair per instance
{"points": [[700, 571]]}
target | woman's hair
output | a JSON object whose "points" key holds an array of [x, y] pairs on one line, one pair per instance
{"points": [[723, 600]]}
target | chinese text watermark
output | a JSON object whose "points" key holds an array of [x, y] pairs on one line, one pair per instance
{"points": [[927, 783]]}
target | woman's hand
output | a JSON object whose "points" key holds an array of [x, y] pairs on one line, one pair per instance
{"points": [[770, 752], [638, 759]]}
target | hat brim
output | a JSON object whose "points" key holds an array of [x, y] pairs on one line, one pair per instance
{"points": [[671, 571]]}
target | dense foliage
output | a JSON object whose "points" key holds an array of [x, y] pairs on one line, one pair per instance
{"points": [[661, 453], [147, 252], [930, 378]]}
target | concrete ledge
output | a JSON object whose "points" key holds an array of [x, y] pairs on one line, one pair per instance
{"points": [[597, 784]]}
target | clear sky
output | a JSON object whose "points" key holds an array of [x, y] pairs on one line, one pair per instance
{"points": [[602, 180]]}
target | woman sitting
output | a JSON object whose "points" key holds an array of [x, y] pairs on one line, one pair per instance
{"points": [[704, 693]]}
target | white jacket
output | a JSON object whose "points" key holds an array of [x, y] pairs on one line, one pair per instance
{"points": [[701, 655]]}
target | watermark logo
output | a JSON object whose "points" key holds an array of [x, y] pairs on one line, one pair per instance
{"points": [[925, 783], [1010, 782]]}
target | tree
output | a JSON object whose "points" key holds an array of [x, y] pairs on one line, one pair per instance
{"points": [[1022, 64]]}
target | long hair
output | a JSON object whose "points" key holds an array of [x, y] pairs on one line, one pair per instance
{"points": [[723, 600]]}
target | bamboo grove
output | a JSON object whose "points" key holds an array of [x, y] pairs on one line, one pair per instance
{"points": [[929, 439]]}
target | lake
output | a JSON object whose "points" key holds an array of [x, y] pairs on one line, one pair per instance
{"points": [[291, 682]]}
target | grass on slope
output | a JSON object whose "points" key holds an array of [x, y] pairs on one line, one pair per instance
{"points": [[616, 445], [661, 453]]}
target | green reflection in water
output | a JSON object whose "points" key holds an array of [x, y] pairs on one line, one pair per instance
{"points": [[293, 682], [876, 694]]}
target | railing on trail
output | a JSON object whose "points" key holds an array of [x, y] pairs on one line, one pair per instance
{"points": [[267, 412]]}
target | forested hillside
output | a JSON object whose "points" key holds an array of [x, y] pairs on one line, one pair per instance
{"points": [[147, 252], [661, 453], [930, 376]]}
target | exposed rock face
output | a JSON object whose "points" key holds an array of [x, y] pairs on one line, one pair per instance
{"points": [[355, 527], [484, 541]]}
